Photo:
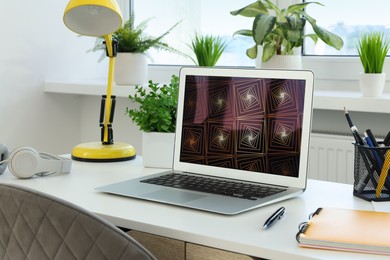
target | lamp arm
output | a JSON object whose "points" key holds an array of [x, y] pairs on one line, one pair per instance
{"points": [[108, 100]]}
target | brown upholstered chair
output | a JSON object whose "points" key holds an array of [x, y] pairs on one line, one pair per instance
{"points": [[36, 226]]}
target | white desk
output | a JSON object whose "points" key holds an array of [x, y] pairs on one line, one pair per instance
{"points": [[240, 233]]}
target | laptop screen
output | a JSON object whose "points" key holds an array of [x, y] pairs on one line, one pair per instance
{"points": [[252, 123], [243, 123]]}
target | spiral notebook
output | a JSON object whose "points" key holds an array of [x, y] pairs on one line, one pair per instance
{"points": [[346, 230]]}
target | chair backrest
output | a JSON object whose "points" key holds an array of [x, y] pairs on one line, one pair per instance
{"points": [[34, 225]]}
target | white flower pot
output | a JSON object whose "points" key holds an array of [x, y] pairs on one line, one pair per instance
{"points": [[157, 149], [372, 84], [131, 69], [293, 61], [282, 62]]}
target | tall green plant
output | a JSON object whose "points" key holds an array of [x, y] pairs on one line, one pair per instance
{"points": [[279, 31], [207, 49], [157, 106], [372, 48]]}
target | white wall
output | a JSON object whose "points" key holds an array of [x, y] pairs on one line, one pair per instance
{"points": [[36, 46]]}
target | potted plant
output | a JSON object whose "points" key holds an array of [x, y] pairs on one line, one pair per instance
{"points": [[372, 49], [156, 117], [133, 45], [280, 31], [207, 49]]}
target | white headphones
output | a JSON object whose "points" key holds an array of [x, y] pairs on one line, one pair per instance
{"points": [[25, 162]]}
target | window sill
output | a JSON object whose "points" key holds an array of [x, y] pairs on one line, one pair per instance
{"points": [[89, 88], [352, 100], [323, 99]]}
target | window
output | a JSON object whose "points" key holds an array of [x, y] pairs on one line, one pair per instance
{"points": [[213, 17], [197, 16], [348, 19]]}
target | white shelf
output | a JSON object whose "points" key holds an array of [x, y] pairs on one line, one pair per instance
{"points": [[323, 99], [352, 100], [91, 88]]}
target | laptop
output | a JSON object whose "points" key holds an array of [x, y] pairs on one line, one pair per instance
{"points": [[245, 126]]}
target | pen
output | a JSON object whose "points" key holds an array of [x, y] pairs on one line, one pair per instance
{"points": [[372, 137], [274, 217], [371, 144], [369, 137], [354, 129], [386, 141]]}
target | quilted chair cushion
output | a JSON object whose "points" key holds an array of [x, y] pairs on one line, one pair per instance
{"points": [[36, 226]]}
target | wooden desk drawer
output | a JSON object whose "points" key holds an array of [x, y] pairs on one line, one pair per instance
{"points": [[171, 249], [162, 248]]}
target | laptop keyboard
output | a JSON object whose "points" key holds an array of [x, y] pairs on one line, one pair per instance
{"points": [[216, 186]]}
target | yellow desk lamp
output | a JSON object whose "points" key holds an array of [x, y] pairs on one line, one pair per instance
{"points": [[100, 18]]}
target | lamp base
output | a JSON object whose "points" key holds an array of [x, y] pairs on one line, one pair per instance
{"points": [[97, 152]]}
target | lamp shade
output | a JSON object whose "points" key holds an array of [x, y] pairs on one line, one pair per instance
{"points": [[93, 17]]}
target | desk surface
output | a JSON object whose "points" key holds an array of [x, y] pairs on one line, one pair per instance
{"points": [[241, 233]]}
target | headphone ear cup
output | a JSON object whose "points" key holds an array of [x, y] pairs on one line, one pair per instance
{"points": [[23, 162], [3, 156]]}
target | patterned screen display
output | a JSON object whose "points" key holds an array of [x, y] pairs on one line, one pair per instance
{"points": [[243, 123]]}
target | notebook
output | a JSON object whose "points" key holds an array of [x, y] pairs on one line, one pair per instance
{"points": [[346, 230], [246, 125]]}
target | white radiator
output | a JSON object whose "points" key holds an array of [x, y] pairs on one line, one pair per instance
{"points": [[331, 158]]}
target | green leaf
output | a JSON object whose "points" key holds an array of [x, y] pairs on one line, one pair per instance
{"points": [[326, 36], [244, 32], [252, 52], [329, 38], [313, 36], [296, 23], [271, 6], [299, 7], [251, 10], [293, 36], [262, 26], [269, 50]]}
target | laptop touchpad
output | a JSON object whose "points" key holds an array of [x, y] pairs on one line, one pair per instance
{"points": [[173, 196]]}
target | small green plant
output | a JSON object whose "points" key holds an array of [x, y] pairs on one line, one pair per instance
{"points": [[372, 48], [132, 38], [207, 49], [279, 31], [157, 106]]}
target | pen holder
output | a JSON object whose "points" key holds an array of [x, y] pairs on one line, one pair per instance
{"points": [[369, 164]]}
